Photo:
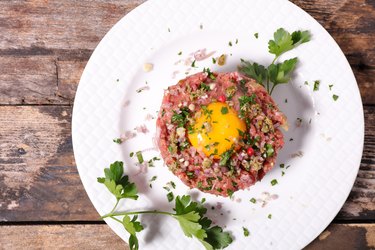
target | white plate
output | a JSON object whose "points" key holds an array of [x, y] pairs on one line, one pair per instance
{"points": [[315, 186]]}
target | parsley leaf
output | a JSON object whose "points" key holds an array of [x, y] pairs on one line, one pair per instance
{"points": [[132, 226], [300, 37], [282, 42], [253, 70], [117, 184], [281, 72], [190, 215]]}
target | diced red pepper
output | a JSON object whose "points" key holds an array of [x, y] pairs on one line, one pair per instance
{"points": [[250, 151], [222, 98]]}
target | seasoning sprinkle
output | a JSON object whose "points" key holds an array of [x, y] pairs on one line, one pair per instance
{"points": [[274, 182], [246, 232]]}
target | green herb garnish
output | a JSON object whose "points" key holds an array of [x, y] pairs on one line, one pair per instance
{"points": [[246, 232], [189, 214], [269, 150], [117, 140], [170, 196], [335, 97], [180, 118], [256, 35], [276, 73], [316, 85], [269, 216], [204, 86], [224, 158], [274, 182], [193, 64], [224, 110], [253, 200], [139, 157]]}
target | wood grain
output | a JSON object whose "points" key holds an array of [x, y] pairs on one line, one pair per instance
{"points": [[52, 59], [38, 177], [336, 236], [39, 180], [60, 237], [345, 237]]}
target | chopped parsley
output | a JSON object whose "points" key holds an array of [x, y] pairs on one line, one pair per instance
{"points": [[253, 200], [131, 154], [335, 97], [316, 85], [274, 182], [236, 40], [213, 60], [204, 86], [230, 192], [269, 216], [224, 158], [246, 232], [139, 157], [269, 150], [282, 165], [282, 173], [330, 86], [180, 118], [179, 53], [256, 35], [152, 179], [209, 73], [193, 64], [230, 43], [224, 110], [117, 140], [190, 175], [170, 197]]}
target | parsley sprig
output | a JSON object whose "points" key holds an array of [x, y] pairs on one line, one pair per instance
{"points": [[189, 214], [276, 73]]}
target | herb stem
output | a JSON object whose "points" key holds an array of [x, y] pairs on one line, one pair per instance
{"points": [[111, 214], [116, 219], [272, 89], [117, 201], [274, 60]]}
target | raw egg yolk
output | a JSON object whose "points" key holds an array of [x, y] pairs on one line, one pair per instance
{"points": [[217, 127]]}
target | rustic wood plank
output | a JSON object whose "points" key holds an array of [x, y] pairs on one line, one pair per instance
{"points": [[51, 80], [41, 183], [336, 236], [361, 201], [52, 24], [75, 28], [60, 237], [28, 80], [345, 237], [38, 177]]}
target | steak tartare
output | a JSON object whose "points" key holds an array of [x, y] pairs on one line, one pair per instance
{"points": [[219, 132]]}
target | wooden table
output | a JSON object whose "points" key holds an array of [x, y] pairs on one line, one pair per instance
{"points": [[44, 46]]}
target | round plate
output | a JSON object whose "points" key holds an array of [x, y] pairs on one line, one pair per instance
{"points": [[117, 98]]}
